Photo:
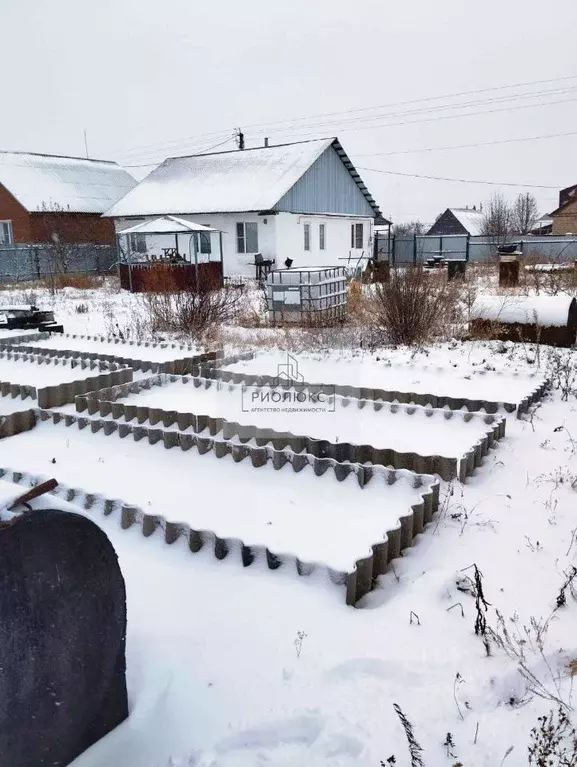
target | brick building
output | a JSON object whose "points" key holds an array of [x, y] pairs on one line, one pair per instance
{"points": [[565, 217], [45, 198]]}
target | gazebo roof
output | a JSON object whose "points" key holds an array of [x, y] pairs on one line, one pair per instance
{"points": [[167, 225]]}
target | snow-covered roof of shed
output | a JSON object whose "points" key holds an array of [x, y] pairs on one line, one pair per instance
{"points": [[472, 220], [229, 182], [546, 311], [167, 225], [70, 184]]}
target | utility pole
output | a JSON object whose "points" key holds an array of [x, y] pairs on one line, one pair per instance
{"points": [[86, 143], [239, 138]]}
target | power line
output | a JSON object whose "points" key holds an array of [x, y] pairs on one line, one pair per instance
{"points": [[468, 146], [202, 151], [265, 126], [447, 117], [442, 108], [456, 180]]}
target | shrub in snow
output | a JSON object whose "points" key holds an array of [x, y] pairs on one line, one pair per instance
{"points": [[414, 307], [553, 741]]}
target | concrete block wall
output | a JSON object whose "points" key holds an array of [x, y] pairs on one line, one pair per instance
{"points": [[181, 364], [107, 402], [358, 582], [62, 394], [454, 403]]}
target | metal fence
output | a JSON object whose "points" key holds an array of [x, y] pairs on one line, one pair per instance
{"points": [[418, 248], [19, 263]]}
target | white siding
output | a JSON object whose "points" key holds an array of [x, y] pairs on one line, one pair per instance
{"points": [[290, 240]]}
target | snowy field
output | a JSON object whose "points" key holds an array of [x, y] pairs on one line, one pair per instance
{"points": [[323, 677], [244, 667], [127, 351], [10, 405], [263, 506], [41, 375], [416, 432], [453, 381]]}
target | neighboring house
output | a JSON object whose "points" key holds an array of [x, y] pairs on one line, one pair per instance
{"points": [[543, 225], [44, 198], [461, 221], [303, 201], [565, 216]]}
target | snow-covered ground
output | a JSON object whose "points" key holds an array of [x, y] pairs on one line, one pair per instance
{"points": [[244, 667], [263, 507], [388, 427], [14, 405], [454, 381], [125, 350], [39, 375]]}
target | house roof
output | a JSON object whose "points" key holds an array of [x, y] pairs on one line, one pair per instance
{"points": [[567, 202], [166, 225], [229, 182], [71, 184], [471, 220]]}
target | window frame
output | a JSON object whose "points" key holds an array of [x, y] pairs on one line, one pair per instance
{"points": [[356, 230], [322, 236], [8, 224], [137, 242], [242, 237], [307, 236]]}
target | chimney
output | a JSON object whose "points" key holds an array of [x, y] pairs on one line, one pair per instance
{"points": [[266, 141]]}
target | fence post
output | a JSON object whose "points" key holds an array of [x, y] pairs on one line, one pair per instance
{"points": [[415, 249], [394, 249], [467, 247]]}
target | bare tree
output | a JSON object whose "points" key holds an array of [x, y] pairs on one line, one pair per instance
{"points": [[409, 228], [497, 220], [524, 213]]}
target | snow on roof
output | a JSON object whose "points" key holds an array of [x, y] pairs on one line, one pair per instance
{"points": [[228, 182], [167, 225], [547, 311], [472, 220], [71, 184]]}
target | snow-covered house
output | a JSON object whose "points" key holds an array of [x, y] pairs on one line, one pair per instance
{"points": [[302, 201], [463, 221], [45, 196]]}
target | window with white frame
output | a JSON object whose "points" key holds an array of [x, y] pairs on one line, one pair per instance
{"points": [[357, 236], [307, 234], [5, 232], [138, 243], [322, 236], [247, 237]]}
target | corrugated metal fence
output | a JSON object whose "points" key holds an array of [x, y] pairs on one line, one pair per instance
{"points": [[19, 263], [417, 249]]}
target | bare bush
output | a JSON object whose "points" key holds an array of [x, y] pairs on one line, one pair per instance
{"points": [[562, 371], [189, 312], [553, 741], [414, 307], [524, 646], [548, 275]]}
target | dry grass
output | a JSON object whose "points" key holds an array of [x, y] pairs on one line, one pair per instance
{"points": [[78, 281]]}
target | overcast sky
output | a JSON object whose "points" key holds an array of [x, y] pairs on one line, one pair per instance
{"points": [[153, 79]]}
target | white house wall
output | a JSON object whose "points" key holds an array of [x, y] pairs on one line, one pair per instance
{"points": [[235, 264], [337, 252], [281, 237]]}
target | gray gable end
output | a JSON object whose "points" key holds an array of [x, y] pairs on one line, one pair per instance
{"points": [[326, 187]]}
